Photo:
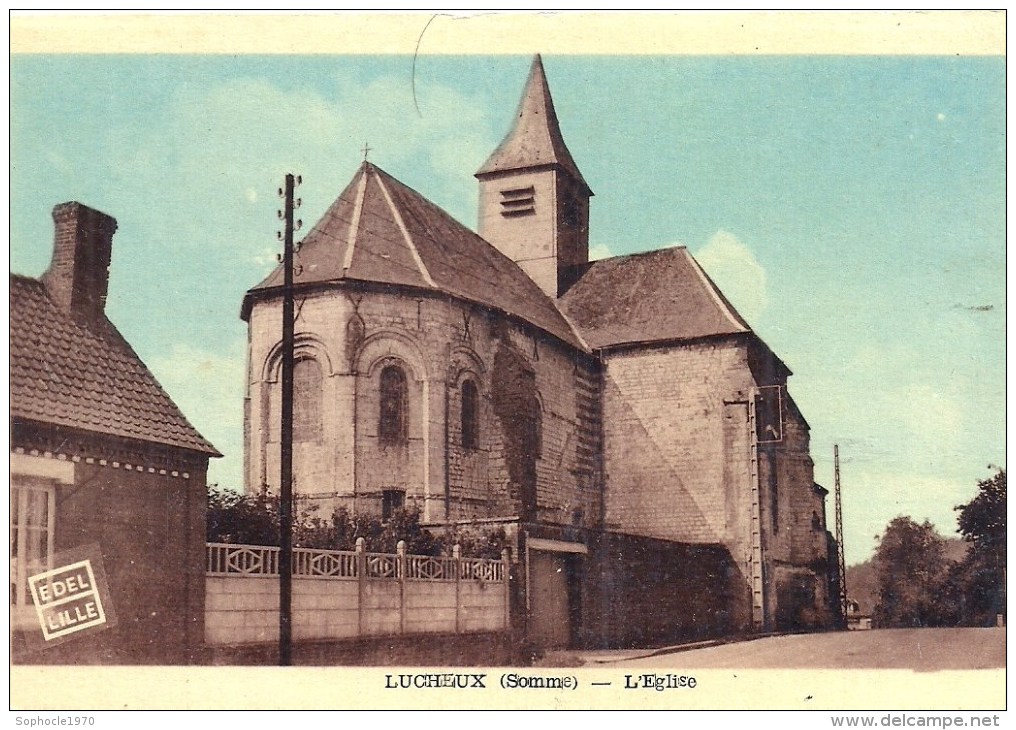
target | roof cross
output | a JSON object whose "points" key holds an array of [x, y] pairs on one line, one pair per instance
{"points": [[366, 150]]}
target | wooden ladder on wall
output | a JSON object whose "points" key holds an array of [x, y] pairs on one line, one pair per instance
{"points": [[755, 562]]}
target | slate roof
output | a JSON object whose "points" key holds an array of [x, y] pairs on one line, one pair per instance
{"points": [[649, 297], [86, 376], [381, 231], [535, 139]]}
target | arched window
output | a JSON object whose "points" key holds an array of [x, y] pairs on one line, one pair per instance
{"points": [[470, 415], [306, 400], [393, 419]]}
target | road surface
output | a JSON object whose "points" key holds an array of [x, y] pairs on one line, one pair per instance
{"points": [[920, 650]]}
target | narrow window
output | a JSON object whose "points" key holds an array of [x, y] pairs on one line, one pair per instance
{"points": [[774, 494], [391, 500], [306, 400], [536, 416], [392, 422], [31, 537], [470, 415]]}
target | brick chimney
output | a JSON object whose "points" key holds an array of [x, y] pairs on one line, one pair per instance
{"points": [[78, 274]]}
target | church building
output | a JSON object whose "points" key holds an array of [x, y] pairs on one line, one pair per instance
{"points": [[624, 425]]}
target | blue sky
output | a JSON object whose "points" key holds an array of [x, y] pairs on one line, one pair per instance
{"points": [[852, 208]]}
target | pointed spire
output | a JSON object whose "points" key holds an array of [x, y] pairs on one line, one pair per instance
{"points": [[535, 139]]}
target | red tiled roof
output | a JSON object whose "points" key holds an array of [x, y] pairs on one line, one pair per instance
{"points": [[648, 297], [86, 377], [381, 231]]}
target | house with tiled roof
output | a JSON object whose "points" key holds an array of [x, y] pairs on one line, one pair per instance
{"points": [[104, 466], [618, 419]]}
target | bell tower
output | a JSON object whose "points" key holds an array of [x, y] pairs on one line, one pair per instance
{"points": [[534, 203]]}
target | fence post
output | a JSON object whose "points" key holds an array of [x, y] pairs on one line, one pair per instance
{"points": [[506, 568], [400, 571], [457, 554], [361, 577]]}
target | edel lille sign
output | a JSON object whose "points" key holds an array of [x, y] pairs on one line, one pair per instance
{"points": [[67, 600]]}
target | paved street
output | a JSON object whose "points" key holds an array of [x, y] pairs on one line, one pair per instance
{"points": [[916, 649]]}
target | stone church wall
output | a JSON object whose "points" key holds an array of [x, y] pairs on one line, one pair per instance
{"points": [[671, 459], [795, 525], [537, 429], [529, 240], [677, 467]]}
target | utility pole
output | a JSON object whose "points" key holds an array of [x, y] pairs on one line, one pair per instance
{"points": [[286, 476], [840, 563]]}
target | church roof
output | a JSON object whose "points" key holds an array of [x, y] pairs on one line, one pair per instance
{"points": [[649, 297], [535, 139], [86, 376], [381, 231]]}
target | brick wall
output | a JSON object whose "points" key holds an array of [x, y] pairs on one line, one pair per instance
{"points": [[78, 275], [150, 529]]}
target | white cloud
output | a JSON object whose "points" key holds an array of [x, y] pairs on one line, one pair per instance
{"points": [[267, 259], [599, 251], [737, 272]]}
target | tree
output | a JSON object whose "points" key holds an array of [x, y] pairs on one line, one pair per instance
{"points": [[982, 520], [912, 574], [979, 579], [241, 518]]}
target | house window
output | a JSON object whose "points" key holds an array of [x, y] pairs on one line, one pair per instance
{"points": [[306, 400], [393, 421], [391, 500], [470, 415], [32, 519]]}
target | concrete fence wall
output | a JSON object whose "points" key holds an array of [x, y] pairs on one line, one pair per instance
{"points": [[349, 594]]}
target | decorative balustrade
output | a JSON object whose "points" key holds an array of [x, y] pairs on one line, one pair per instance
{"points": [[340, 594], [424, 567], [477, 569], [255, 560]]}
